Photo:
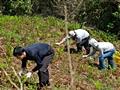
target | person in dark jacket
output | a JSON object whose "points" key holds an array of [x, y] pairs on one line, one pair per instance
{"points": [[42, 54]]}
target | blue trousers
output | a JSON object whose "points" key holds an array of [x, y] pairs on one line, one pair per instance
{"points": [[109, 56]]}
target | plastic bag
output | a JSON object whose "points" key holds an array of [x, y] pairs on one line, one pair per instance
{"points": [[116, 57]]}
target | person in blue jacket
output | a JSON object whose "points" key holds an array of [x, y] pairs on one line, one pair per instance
{"points": [[42, 54]]}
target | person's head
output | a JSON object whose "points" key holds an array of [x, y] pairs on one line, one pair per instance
{"points": [[19, 52], [93, 42], [72, 34]]}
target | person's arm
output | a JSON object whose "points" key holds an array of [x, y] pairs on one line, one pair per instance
{"points": [[63, 40], [23, 66], [37, 67], [92, 52], [101, 52]]}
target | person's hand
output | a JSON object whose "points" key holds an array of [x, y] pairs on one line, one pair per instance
{"points": [[84, 56], [20, 73], [29, 74], [57, 43]]}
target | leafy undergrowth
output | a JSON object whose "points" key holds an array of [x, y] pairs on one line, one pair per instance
{"points": [[24, 30]]}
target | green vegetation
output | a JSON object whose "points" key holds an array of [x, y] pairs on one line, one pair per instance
{"points": [[24, 30], [103, 14]]}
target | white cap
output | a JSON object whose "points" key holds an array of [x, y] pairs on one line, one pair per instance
{"points": [[93, 42], [72, 33]]}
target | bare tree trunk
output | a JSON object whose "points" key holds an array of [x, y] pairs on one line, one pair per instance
{"points": [[69, 56]]}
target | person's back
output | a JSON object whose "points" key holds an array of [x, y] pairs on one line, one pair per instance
{"points": [[105, 46], [81, 34], [40, 49]]}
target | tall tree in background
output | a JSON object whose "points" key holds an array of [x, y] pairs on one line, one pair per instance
{"points": [[101, 14], [17, 7]]}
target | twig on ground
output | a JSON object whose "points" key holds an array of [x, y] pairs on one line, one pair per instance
{"points": [[10, 79]]}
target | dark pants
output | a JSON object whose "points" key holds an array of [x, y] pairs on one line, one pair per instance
{"points": [[85, 43], [43, 72]]}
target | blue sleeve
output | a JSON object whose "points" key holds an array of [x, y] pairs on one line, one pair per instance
{"points": [[24, 62], [38, 61]]}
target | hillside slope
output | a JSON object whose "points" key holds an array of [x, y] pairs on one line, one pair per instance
{"points": [[23, 30]]}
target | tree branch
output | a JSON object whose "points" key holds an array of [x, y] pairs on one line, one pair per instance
{"points": [[21, 84], [10, 79]]}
